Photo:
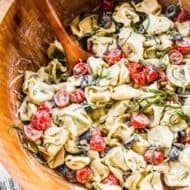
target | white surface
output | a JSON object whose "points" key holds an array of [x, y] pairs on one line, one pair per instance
{"points": [[6, 182]]}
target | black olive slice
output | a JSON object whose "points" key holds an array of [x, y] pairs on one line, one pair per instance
{"points": [[105, 20], [172, 10], [173, 153]]}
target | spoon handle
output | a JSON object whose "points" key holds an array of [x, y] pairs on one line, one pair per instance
{"points": [[48, 11], [72, 51]]}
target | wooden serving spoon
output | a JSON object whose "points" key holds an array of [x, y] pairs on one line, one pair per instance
{"points": [[72, 51]]}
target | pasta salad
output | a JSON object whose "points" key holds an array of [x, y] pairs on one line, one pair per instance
{"points": [[122, 120]]}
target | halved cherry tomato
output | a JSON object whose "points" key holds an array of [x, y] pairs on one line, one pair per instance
{"points": [[154, 156], [142, 74], [135, 68], [83, 175], [113, 56], [97, 142], [80, 69], [184, 139], [151, 74], [181, 16], [32, 134], [183, 46], [61, 98], [78, 96], [108, 5], [45, 106], [139, 121], [110, 180], [41, 120], [175, 56], [139, 78]]}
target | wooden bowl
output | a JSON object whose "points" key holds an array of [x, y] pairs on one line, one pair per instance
{"points": [[24, 38]]}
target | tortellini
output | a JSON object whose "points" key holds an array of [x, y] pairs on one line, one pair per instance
{"points": [[74, 116], [125, 14], [115, 75], [95, 65], [56, 71], [133, 181], [76, 162], [125, 92], [100, 186], [178, 75], [157, 24], [132, 44], [26, 110], [184, 156], [135, 161], [100, 171], [178, 175], [183, 27], [151, 181], [160, 136], [87, 25], [98, 95], [54, 138], [149, 7], [40, 92], [100, 44], [116, 158]]}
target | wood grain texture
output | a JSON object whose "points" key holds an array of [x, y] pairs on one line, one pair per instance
{"points": [[24, 38]]}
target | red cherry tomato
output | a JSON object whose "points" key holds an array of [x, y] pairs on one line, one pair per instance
{"points": [[47, 106], [175, 56], [32, 134], [151, 74], [78, 96], [113, 56], [181, 16], [80, 69], [135, 68], [183, 46], [83, 175], [184, 139], [97, 142], [139, 79], [61, 98], [154, 156], [41, 120], [139, 121], [110, 180], [108, 5]]}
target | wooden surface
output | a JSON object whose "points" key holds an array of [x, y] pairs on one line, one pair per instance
{"points": [[24, 37]]}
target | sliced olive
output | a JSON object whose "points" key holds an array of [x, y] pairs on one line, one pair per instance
{"points": [[67, 173], [138, 27], [181, 133], [87, 80], [105, 152], [126, 174], [173, 153], [87, 107], [105, 19], [118, 26], [176, 36], [130, 142], [179, 146], [172, 10], [86, 136]]}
